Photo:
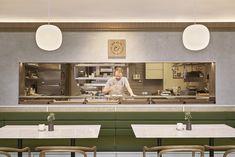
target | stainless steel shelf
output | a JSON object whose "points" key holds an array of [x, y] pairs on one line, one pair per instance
{"points": [[92, 78], [94, 65]]}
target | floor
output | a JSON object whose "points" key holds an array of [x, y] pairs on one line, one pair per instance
{"points": [[125, 154]]}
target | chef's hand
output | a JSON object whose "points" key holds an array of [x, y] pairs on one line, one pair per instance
{"points": [[133, 95]]}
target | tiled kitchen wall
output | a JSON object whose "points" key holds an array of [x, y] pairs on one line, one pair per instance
{"points": [[143, 85]]}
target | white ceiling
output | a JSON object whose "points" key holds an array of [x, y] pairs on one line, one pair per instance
{"points": [[118, 10]]}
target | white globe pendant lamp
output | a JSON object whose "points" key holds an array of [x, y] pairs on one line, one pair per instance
{"points": [[196, 37], [48, 37]]}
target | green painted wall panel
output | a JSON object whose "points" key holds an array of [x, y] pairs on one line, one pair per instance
{"points": [[24, 116], [150, 116], [104, 124], [116, 133], [8, 143], [52, 142]]}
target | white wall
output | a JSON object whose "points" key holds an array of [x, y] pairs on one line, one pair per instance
{"points": [[18, 47]]}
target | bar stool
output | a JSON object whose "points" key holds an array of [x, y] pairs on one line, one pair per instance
{"points": [[75, 149], [175, 148], [227, 148], [5, 150]]}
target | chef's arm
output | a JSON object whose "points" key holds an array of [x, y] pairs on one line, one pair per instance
{"points": [[106, 90], [129, 88]]}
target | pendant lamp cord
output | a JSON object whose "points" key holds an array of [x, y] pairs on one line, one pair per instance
{"points": [[194, 11], [48, 11]]}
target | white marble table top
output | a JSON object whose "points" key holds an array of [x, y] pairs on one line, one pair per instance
{"points": [[60, 132], [169, 131]]}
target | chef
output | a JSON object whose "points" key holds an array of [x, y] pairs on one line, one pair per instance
{"points": [[117, 84]]}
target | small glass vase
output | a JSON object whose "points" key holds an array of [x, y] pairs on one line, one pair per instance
{"points": [[50, 126], [188, 125]]}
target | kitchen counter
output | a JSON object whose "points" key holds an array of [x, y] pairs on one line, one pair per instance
{"points": [[119, 96], [148, 99]]}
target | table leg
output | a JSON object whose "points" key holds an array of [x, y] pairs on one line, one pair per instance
{"points": [[19, 145], [159, 142], [72, 143], [211, 143]]}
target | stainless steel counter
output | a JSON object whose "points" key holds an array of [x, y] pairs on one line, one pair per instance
{"points": [[116, 96], [149, 99]]}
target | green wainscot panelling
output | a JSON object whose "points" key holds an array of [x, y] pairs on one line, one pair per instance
{"points": [[103, 123], [150, 116], [1, 123], [59, 116], [32, 143], [116, 133], [23, 122], [228, 141], [8, 143], [127, 123], [86, 116], [103, 143], [24, 116]]}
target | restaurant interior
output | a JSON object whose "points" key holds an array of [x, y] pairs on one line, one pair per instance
{"points": [[117, 78]]}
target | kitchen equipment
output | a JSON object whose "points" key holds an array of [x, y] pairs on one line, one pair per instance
{"points": [[136, 76], [167, 92], [51, 80], [194, 76]]}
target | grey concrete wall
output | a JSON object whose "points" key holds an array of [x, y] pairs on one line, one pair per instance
{"points": [[18, 47]]}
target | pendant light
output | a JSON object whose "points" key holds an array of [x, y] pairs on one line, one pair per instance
{"points": [[48, 36], [196, 37]]}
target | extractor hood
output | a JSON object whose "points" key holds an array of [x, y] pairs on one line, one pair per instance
{"points": [[194, 76]]}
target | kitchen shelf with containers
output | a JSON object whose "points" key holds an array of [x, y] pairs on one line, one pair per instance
{"points": [[42, 79], [91, 78], [31, 78], [190, 72]]}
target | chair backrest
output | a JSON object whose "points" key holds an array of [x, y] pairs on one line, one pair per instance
{"points": [[182, 150], [226, 153], [10, 149], [221, 148], [176, 148], [75, 149], [227, 148], [43, 152], [5, 153]]}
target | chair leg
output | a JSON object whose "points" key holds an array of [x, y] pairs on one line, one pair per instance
{"points": [[94, 153], [225, 154], [5, 153], [42, 154], [29, 153], [193, 154], [159, 155]]}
